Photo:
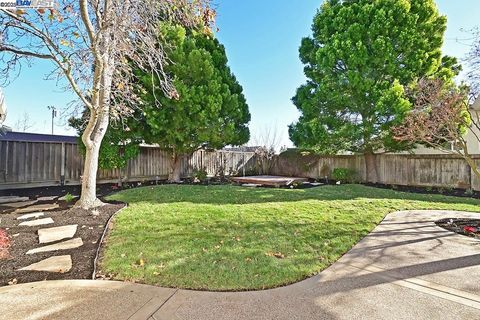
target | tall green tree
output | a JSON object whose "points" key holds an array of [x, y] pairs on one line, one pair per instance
{"points": [[362, 56], [210, 110]]}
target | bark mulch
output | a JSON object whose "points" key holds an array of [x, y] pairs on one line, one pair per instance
{"points": [[15, 241], [466, 227]]}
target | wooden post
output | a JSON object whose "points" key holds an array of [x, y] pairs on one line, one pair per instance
{"points": [[62, 165]]}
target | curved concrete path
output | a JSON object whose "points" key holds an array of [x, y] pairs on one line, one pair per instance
{"points": [[407, 268]]}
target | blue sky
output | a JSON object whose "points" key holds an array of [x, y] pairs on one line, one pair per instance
{"points": [[262, 39]]}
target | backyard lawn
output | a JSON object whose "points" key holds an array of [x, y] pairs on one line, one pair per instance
{"points": [[234, 238]]}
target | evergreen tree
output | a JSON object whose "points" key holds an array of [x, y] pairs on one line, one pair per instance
{"points": [[362, 56], [210, 111]]}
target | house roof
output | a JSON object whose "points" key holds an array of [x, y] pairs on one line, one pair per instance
{"points": [[241, 149], [36, 137]]}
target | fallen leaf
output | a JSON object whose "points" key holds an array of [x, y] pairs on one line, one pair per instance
{"points": [[277, 255]]}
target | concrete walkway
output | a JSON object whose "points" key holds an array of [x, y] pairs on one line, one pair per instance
{"points": [[407, 268]]}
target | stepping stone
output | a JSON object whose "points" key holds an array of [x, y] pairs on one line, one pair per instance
{"points": [[65, 245], [19, 204], [50, 198], [59, 264], [251, 185], [8, 199], [38, 207], [316, 184], [56, 233], [38, 222], [30, 215], [64, 198]]}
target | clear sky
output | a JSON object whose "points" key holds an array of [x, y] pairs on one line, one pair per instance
{"points": [[262, 39]]}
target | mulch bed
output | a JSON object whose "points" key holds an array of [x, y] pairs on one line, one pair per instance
{"points": [[462, 193], [21, 239], [466, 227]]}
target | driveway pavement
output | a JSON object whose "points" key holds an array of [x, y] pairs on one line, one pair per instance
{"points": [[407, 268]]}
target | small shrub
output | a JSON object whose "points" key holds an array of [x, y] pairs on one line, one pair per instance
{"points": [[449, 189], [469, 192], [429, 189], [200, 174], [69, 197], [345, 175]]}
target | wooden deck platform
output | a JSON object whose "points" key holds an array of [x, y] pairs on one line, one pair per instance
{"points": [[275, 181]]}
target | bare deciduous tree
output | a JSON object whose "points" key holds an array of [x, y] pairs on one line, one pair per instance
{"points": [[93, 45], [441, 119], [24, 123], [268, 142], [473, 60]]}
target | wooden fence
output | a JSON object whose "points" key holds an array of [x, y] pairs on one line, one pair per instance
{"points": [[29, 164], [448, 171]]}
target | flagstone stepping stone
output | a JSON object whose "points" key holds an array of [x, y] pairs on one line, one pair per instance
{"points": [[8, 199], [59, 264], [30, 215], [37, 222], [48, 198], [316, 184], [56, 233], [64, 198], [38, 207], [65, 245], [251, 185], [19, 204]]}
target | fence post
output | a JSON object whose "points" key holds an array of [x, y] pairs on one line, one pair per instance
{"points": [[243, 162], [62, 165]]}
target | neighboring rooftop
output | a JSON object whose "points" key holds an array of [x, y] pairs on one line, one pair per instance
{"points": [[36, 137], [242, 149]]}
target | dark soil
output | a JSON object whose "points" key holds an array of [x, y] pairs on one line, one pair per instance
{"points": [[90, 229], [103, 190], [33, 193], [466, 227], [429, 190]]}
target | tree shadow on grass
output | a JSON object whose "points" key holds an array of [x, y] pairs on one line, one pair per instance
{"points": [[236, 195]]}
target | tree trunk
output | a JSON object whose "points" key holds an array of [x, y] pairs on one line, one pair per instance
{"points": [[96, 128], [371, 166], [175, 168], [88, 197]]}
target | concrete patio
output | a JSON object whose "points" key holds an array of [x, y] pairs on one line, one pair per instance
{"points": [[407, 268]]}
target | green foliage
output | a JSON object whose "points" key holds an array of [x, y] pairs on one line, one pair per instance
{"points": [[118, 146], [359, 62], [344, 175], [200, 174], [211, 110], [69, 197]]}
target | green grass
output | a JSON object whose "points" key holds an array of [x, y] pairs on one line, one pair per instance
{"points": [[225, 237]]}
